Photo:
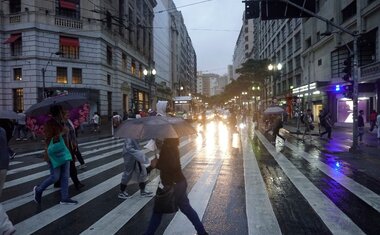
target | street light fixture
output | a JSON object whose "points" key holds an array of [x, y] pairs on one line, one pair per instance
{"points": [[150, 79], [44, 71]]}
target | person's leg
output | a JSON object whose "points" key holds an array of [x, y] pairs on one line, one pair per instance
{"points": [[79, 156], [154, 222], [378, 132], [328, 130], [53, 177], [64, 172], [74, 175], [3, 175], [186, 209]]}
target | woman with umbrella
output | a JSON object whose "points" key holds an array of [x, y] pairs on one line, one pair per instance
{"points": [[53, 129], [172, 176]]}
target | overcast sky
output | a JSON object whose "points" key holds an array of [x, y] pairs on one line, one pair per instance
{"points": [[222, 19]]}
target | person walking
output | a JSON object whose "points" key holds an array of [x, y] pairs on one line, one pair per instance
{"points": [[325, 121], [372, 120], [96, 121], [134, 160], [116, 120], [171, 176], [21, 126], [378, 126], [308, 120], [277, 125], [53, 129], [360, 126], [8, 125], [6, 226]]}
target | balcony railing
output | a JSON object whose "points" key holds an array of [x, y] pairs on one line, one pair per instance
{"points": [[68, 23]]}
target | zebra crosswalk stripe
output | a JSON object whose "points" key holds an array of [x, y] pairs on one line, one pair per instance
{"points": [[260, 216], [331, 215]]}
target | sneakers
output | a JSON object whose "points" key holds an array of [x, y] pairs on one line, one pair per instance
{"points": [[37, 195], [68, 202], [82, 166], [146, 194], [124, 195], [18, 139]]}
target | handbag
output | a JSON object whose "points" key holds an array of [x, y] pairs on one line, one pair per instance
{"points": [[58, 152], [165, 201]]}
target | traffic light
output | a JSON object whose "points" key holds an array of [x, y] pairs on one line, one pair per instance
{"points": [[347, 69], [348, 90], [252, 10]]}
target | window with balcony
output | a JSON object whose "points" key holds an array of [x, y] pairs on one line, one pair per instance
{"points": [[18, 99], [69, 47], [15, 42], [62, 75], [77, 76], [109, 55], [17, 74], [68, 8]]}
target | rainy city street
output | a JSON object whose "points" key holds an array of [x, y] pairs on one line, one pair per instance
{"points": [[239, 183]]}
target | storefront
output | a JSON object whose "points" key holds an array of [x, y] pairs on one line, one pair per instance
{"points": [[140, 99]]}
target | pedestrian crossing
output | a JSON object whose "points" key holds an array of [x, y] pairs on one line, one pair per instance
{"points": [[286, 191]]}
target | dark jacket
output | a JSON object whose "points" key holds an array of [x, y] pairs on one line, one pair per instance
{"points": [[169, 163], [4, 154], [360, 121]]}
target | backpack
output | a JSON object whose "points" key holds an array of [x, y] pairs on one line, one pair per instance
{"points": [[115, 121]]}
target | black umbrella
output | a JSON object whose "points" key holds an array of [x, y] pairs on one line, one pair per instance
{"points": [[68, 102], [155, 127], [274, 110], [7, 114]]}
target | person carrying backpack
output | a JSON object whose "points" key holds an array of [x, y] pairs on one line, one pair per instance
{"points": [[308, 120]]}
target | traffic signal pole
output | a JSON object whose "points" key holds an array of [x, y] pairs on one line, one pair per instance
{"points": [[355, 74]]}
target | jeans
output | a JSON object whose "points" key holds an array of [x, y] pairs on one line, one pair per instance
{"points": [[184, 206], [55, 174]]}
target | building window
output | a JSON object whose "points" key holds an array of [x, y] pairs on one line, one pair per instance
{"points": [[17, 74], [308, 42], [297, 41], [15, 41], [123, 61], [140, 71], [62, 75], [77, 76], [349, 11], [133, 67], [14, 6], [69, 46], [68, 8], [297, 61], [319, 62], [109, 55], [108, 79], [130, 25], [109, 20], [18, 99]]}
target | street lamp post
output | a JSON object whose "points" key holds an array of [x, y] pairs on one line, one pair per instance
{"points": [[150, 79], [273, 68], [44, 71]]}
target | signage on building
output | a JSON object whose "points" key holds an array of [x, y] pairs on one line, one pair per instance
{"points": [[371, 71]]}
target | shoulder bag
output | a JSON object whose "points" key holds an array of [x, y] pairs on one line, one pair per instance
{"points": [[58, 152], [165, 201]]}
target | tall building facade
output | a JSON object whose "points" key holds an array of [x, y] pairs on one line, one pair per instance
{"points": [[174, 55], [244, 46], [95, 48], [313, 56]]}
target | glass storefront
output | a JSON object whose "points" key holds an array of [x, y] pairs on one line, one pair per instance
{"points": [[345, 109]]}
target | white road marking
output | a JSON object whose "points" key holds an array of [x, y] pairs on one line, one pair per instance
{"points": [[114, 220], [330, 214], [359, 190], [260, 216]]}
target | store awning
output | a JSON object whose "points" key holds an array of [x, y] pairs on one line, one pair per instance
{"points": [[13, 38], [66, 41], [67, 5]]}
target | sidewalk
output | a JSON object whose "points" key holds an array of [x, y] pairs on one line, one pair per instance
{"points": [[24, 146], [367, 160]]}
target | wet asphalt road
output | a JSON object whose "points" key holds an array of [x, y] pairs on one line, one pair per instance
{"points": [[307, 191]]}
